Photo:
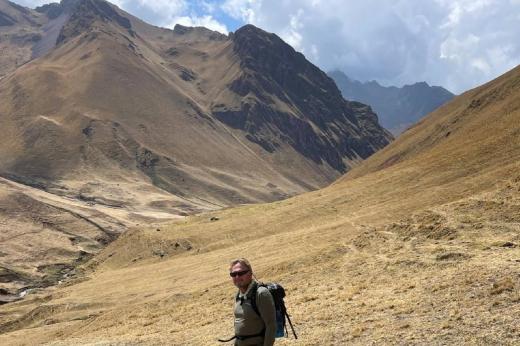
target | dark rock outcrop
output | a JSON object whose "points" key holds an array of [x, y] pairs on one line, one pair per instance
{"points": [[321, 125]]}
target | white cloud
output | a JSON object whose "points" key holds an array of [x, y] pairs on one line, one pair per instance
{"points": [[118, 3], [164, 6], [459, 50], [481, 65], [454, 16], [208, 7], [454, 43], [242, 9], [315, 52], [461, 9], [292, 35]]}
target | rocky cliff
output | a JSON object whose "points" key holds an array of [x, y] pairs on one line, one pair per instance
{"points": [[316, 121]]}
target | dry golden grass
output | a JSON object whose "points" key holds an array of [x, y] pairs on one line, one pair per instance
{"points": [[347, 283]]}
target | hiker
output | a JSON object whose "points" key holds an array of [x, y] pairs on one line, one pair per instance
{"points": [[251, 328]]}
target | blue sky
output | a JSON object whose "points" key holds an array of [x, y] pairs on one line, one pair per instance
{"points": [[458, 44]]}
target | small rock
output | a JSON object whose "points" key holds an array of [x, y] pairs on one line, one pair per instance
{"points": [[214, 218], [508, 244], [159, 253]]}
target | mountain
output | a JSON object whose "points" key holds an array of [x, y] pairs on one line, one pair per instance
{"points": [[417, 245], [182, 111], [397, 108], [112, 122]]}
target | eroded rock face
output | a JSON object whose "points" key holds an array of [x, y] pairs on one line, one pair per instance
{"points": [[320, 125]]}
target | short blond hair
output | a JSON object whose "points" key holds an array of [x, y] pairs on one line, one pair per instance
{"points": [[243, 262]]}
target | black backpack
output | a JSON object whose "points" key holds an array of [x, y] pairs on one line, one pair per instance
{"points": [[278, 293]]}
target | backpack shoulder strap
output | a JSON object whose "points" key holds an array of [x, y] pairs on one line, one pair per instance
{"points": [[252, 297]]}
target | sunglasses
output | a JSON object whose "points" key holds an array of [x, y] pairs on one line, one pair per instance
{"points": [[233, 274]]}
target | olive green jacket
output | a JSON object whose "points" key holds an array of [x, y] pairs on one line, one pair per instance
{"points": [[247, 321]]}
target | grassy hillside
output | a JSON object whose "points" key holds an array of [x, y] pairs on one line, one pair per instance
{"points": [[418, 245]]}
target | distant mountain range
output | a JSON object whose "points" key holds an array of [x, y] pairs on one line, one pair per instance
{"points": [[397, 108]]}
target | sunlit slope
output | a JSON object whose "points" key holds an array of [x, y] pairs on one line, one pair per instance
{"points": [[420, 246]]}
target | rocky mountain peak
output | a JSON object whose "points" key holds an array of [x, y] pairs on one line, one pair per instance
{"points": [[267, 54], [54, 10], [250, 31], [85, 12], [262, 49], [199, 31], [322, 126]]}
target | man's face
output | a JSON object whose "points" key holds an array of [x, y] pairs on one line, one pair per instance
{"points": [[241, 281]]}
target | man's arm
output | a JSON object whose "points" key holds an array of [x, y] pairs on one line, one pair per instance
{"points": [[265, 305]]}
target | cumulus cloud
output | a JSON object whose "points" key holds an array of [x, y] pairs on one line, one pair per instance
{"points": [[458, 44], [243, 9]]}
